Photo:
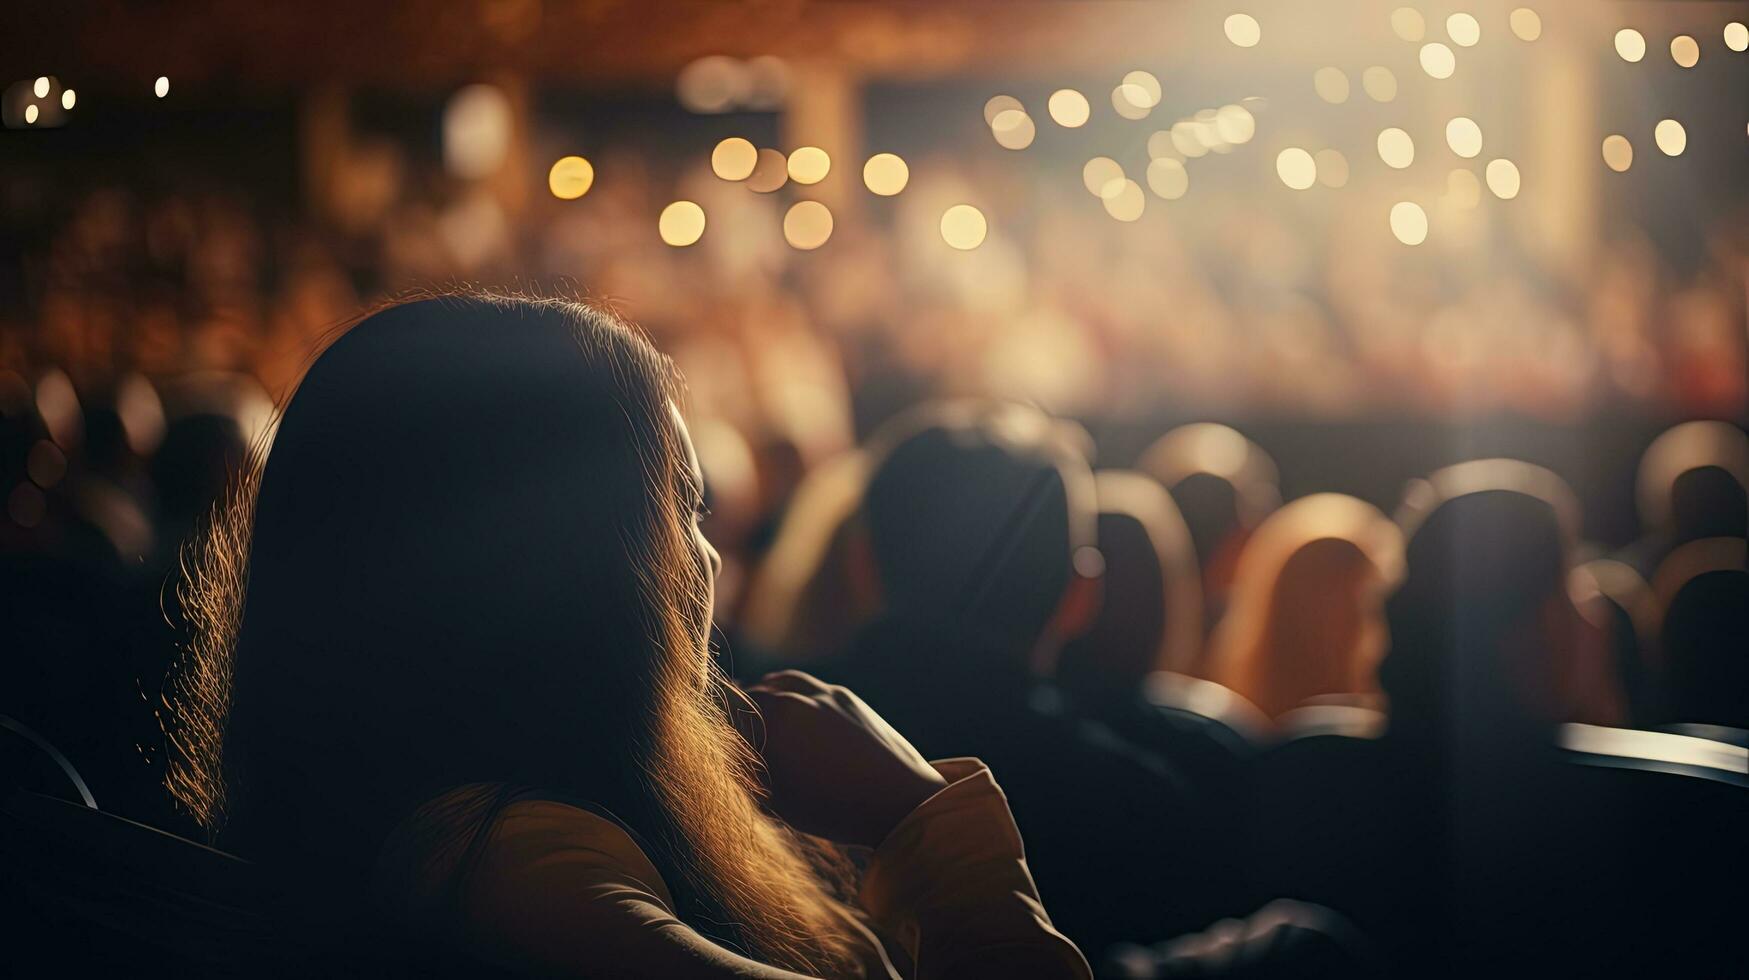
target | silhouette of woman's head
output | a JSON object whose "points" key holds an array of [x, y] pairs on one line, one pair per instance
{"points": [[1307, 616], [473, 556]]}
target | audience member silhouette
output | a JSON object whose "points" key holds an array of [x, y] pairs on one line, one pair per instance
{"points": [[1306, 616], [466, 606], [1691, 485], [1706, 653], [980, 526]]}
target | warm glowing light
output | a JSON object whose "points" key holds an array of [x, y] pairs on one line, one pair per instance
{"points": [[1463, 190], [1503, 179], [1408, 24], [68, 98], [807, 225], [1396, 148], [476, 131], [1013, 129], [570, 178], [1332, 168], [30, 115], [1168, 178], [1235, 124], [1737, 36], [1069, 108], [1331, 85], [1464, 137], [1160, 146], [1463, 30], [885, 174], [1131, 101], [1100, 172], [1684, 50], [1618, 153], [1630, 44], [1185, 141], [41, 88], [809, 165], [1123, 200], [712, 84], [681, 224], [734, 159], [963, 227], [161, 87], [1296, 168], [1437, 60], [1149, 85], [999, 104], [1379, 83], [1670, 137], [770, 172], [1243, 30], [1527, 25], [1408, 222]]}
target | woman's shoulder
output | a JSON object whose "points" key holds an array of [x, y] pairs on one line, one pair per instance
{"points": [[486, 833]]}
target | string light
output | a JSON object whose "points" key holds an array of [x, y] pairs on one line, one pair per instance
{"points": [[1098, 173], [885, 174], [1737, 36], [570, 178], [161, 87], [1149, 87], [1437, 60], [68, 98], [1463, 30], [30, 114], [1235, 124], [1167, 178], [963, 227], [1685, 51], [1130, 101], [1670, 137], [1296, 168], [1503, 179], [1396, 148], [734, 159], [681, 223], [1630, 44], [1123, 200], [999, 104], [1013, 129], [1464, 137]]}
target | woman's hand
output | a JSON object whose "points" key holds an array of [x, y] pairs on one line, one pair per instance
{"points": [[835, 768]]}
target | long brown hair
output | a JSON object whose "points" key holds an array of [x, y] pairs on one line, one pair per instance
{"points": [[464, 560]]}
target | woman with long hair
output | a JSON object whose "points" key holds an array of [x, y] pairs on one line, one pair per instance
{"points": [[1306, 618], [454, 650]]}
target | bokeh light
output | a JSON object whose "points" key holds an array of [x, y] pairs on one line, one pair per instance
{"points": [[963, 227], [476, 131], [770, 171], [1463, 30], [1379, 83], [807, 225], [1130, 101], [999, 104], [1527, 25], [161, 87], [570, 178], [1069, 108], [1124, 200], [1099, 172], [1408, 222], [1618, 153], [1437, 60], [1462, 189], [1396, 148], [68, 99], [1737, 36], [30, 114], [1408, 24], [809, 165], [1670, 137], [1168, 179], [1187, 140], [1296, 168], [1148, 84], [1331, 85], [734, 158], [1503, 179], [1243, 30], [41, 88], [681, 223], [1332, 168], [886, 174], [1685, 51], [1630, 44], [1013, 129], [1235, 124], [712, 84], [1464, 137]]}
